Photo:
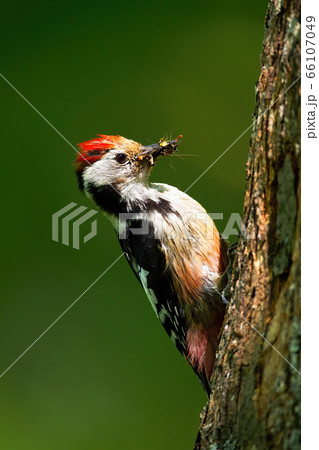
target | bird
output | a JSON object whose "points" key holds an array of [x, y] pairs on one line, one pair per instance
{"points": [[168, 239]]}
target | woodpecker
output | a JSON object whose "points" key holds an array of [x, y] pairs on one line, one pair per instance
{"points": [[168, 239]]}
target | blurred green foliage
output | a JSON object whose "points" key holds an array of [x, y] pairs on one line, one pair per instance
{"points": [[106, 375]]}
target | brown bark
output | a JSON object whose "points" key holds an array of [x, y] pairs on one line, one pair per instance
{"points": [[255, 402]]}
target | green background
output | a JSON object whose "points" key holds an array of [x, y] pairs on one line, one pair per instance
{"points": [[106, 375]]}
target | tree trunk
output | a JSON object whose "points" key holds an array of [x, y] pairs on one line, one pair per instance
{"points": [[255, 402]]}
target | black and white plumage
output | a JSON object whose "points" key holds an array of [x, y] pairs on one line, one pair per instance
{"points": [[177, 259]]}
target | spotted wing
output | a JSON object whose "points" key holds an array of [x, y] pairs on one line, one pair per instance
{"points": [[144, 255]]}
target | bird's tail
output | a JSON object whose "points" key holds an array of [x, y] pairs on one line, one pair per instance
{"points": [[201, 374]]}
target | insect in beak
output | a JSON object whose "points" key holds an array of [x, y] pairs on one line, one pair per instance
{"points": [[163, 147]]}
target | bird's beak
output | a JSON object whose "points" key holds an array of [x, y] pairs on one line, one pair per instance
{"points": [[152, 152]]}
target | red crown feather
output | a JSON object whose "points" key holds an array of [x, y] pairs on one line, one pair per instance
{"points": [[94, 149]]}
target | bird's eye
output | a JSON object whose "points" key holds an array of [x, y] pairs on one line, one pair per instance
{"points": [[121, 158]]}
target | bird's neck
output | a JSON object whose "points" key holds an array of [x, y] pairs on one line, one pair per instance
{"points": [[116, 198]]}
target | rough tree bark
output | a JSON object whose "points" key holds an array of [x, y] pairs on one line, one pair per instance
{"points": [[255, 402]]}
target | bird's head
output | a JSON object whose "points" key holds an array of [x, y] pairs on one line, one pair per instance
{"points": [[117, 161]]}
